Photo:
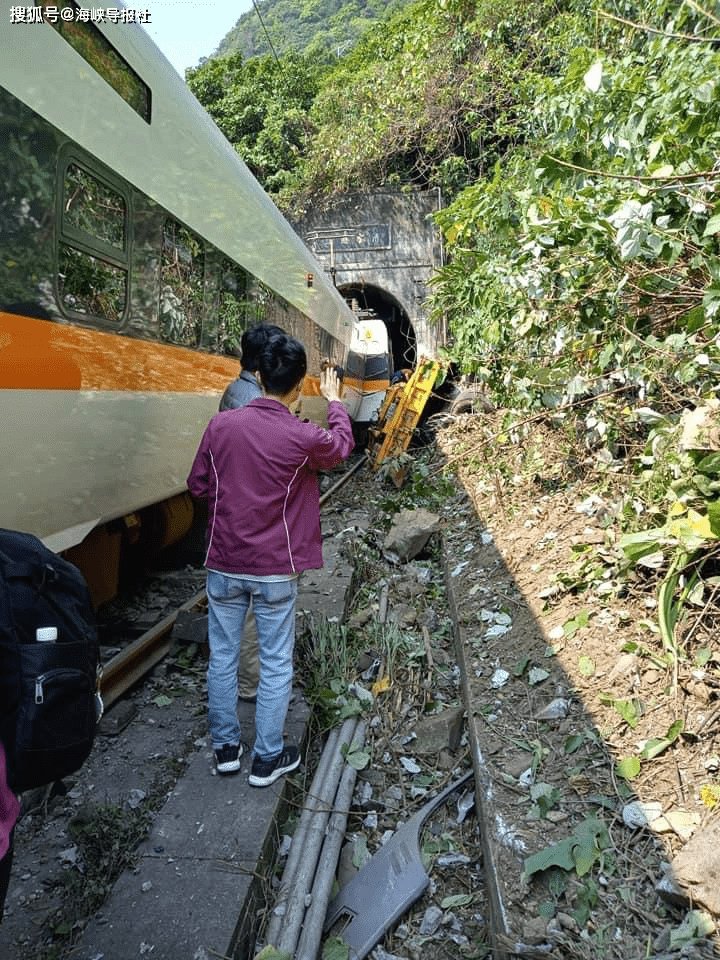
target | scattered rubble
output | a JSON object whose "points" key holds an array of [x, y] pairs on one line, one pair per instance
{"points": [[589, 863]]}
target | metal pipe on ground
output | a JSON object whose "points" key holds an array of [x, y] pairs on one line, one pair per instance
{"points": [[312, 929], [344, 479], [315, 798], [312, 842], [312, 800]]}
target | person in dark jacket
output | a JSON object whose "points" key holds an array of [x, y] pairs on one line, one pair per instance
{"points": [[245, 387], [237, 394], [258, 466]]}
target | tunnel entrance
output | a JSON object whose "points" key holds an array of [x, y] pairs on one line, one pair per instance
{"points": [[401, 335]]}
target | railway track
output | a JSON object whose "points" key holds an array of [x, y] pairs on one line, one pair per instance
{"points": [[132, 663]]}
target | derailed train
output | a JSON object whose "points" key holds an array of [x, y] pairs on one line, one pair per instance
{"points": [[135, 246]]}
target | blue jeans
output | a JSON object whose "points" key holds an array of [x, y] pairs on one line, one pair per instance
{"points": [[274, 606]]}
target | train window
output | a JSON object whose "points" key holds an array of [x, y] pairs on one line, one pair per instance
{"points": [[182, 294], [93, 208], [93, 245], [90, 286], [237, 308], [92, 45]]}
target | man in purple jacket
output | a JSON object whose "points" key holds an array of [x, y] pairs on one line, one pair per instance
{"points": [[238, 393], [257, 466]]}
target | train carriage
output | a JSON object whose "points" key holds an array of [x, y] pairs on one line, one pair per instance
{"points": [[135, 247]]}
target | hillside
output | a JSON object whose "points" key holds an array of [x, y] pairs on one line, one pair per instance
{"points": [[315, 27]]}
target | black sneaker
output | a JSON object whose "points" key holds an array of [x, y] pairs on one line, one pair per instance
{"points": [[227, 758], [265, 772]]}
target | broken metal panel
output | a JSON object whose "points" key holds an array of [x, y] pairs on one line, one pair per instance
{"points": [[387, 886]]}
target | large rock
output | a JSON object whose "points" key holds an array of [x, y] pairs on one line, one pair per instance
{"points": [[409, 534], [440, 731], [701, 427], [694, 874]]}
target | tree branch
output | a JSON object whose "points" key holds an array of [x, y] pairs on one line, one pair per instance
{"points": [[676, 178], [690, 37]]}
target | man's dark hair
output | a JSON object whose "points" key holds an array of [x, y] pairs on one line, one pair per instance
{"points": [[252, 342], [282, 364]]}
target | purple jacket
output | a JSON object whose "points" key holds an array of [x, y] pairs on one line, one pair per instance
{"points": [[9, 807], [257, 466]]}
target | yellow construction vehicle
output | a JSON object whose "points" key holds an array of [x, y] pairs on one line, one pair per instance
{"points": [[399, 415]]}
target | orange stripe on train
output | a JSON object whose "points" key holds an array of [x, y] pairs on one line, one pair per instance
{"points": [[45, 355]]}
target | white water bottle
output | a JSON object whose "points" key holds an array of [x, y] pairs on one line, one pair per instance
{"points": [[46, 634]]}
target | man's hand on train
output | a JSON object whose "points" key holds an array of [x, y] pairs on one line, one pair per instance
{"points": [[329, 384]]}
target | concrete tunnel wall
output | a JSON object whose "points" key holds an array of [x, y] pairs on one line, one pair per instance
{"points": [[383, 248]]}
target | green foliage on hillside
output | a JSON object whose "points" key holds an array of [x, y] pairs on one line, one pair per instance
{"points": [[583, 274], [262, 107], [589, 258], [435, 97], [431, 96], [312, 27]]}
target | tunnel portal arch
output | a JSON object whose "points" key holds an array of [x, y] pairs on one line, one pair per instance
{"points": [[401, 335], [382, 248]]}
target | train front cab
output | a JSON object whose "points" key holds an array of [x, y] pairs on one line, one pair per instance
{"points": [[367, 373]]}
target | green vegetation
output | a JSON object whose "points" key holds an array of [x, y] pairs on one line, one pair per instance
{"points": [[584, 275], [262, 107], [431, 95], [313, 26], [345, 666]]}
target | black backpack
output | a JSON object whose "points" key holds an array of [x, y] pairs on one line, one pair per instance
{"points": [[49, 678]]}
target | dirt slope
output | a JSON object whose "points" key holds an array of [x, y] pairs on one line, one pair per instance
{"points": [[566, 675]]}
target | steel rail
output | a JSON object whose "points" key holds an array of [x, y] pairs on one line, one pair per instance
{"points": [[343, 479], [135, 660]]}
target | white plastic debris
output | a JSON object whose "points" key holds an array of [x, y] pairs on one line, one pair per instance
{"points": [[638, 814], [430, 921], [526, 778], [445, 860], [589, 506], [135, 798], [362, 694], [557, 709], [499, 679], [412, 766], [69, 856]]}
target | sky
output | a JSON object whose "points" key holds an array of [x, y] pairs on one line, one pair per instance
{"points": [[186, 30]]}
